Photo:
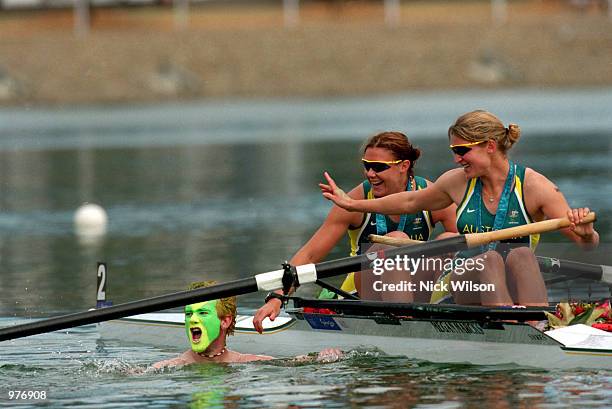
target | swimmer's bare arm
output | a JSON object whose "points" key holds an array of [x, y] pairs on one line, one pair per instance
{"points": [[326, 355], [180, 360], [252, 358]]}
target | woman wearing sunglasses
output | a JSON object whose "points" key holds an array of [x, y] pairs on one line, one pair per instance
{"points": [[491, 192], [388, 161]]}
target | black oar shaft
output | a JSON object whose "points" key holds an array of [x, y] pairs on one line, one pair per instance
{"points": [[573, 269], [264, 281], [237, 287]]}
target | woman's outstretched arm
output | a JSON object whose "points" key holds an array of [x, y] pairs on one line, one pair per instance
{"points": [[432, 198]]}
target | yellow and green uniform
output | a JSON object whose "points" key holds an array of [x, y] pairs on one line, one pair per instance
{"points": [[417, 226], [467, 222]]}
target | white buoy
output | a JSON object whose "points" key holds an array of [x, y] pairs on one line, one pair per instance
{"points": [[90, 220]]}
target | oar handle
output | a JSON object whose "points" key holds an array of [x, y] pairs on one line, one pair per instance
{"points": [[393, 241], [480, 239]]}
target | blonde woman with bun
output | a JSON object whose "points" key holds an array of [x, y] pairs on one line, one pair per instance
{"points": [[491, 192]]}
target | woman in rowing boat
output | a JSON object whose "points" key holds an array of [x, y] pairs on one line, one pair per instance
{"points": [[491, 193], [388, 160]]}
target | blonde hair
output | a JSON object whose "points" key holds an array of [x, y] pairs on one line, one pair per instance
{"points": [[397, 143], [225, 306], [481, 125]]}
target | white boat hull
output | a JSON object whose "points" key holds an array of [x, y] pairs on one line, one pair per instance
{"points": [[435, 340]]}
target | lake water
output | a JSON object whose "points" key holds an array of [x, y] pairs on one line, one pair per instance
{"points": [[228, 189]]}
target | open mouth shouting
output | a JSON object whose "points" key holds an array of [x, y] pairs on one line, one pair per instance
{"points": [[196, 335]]}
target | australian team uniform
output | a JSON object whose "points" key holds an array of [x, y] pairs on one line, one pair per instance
{"points": [[417, 226], [473, 217]]}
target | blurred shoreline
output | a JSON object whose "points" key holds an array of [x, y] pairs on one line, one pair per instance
{"points": [[337, 49]]}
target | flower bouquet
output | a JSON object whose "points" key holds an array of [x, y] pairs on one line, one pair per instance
{"points": [[595, 314]]}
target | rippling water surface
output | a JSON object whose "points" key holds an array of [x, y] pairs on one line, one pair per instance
{"points": [[227, 190], [80, 370]]}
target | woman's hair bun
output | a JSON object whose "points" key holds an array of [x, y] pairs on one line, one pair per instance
{"points": [[513, 134]]}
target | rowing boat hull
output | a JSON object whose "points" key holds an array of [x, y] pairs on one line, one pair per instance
{"points": [[435, 340]]}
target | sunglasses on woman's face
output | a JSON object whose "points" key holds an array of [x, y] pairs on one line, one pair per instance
{"points": [[463, 148], [379, 165]]}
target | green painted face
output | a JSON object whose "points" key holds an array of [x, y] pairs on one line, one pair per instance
{"points": [[202, 324]]}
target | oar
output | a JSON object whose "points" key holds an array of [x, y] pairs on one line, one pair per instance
{"points": [[284, 278], [480, 239], [574, 269]]}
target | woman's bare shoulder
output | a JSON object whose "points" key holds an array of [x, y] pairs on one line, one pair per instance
{"points": [[453, 183]]}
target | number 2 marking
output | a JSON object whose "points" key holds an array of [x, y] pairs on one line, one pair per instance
{"points": [[101, 295]]}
